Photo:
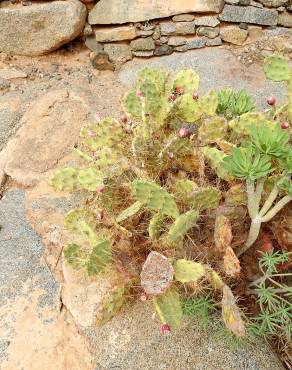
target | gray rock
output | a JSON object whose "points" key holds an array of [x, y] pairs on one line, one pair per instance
{"points": [[233, 35], [208, 21], [183, 18], [41, 28], [177, 41], [196, 43], [285, 19], [164, 40], [87, 31], [146, 43], [214, 42], [157, 33], [249, 14], [163, 50], [93, 45], [243, 26], [273, 3], [124, 11], [168, 28], [145, 33], [178, 28], [209, 32], [118, 53], [143, 54]]}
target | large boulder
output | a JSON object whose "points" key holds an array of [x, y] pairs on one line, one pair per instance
{"points": [[41, 28], [123, 11]]}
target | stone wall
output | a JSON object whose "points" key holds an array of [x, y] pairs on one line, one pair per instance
{"points": [[118, 30]]}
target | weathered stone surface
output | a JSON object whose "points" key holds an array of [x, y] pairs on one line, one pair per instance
{"points": [[285, 19], [255, 33], [143, 54], [11, 73], [108, 34], [208, 21], [209, 32], [118, 53], [146, 43], [178, 28], [177, 41], [41, 28], [123, 11], [157, 33], [214, 42], [93, 45], [145, 33], [100, 61], [183, 18], [163, 50], [157, 274], [50, 128], [86, 297], [196, 43], [234, 35], [249, 14], [273, 3]]}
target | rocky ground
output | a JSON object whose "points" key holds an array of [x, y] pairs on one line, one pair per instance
{"points": [[47, 314]]}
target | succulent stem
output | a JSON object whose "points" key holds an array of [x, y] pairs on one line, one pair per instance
{"points": [[270, 200], [277, 207]]}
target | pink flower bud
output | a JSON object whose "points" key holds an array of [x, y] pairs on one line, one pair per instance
{"points": [[172, 98], [97, 117], [144, 297], [91, 133], [124, 119], [195, 95], [179, 90], [165, 329], [139, 94], [183, 133], [170, 155], [100, 188], [100, 215]]}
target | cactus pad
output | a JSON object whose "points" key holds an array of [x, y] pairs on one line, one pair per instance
{"points": [[156, 225], [73, 256], [180, 227], [235, 196], [168, 307], [209, 103], [89, 178], [129, 212], [154, 197], [222, 233], [215, 280], [231, 263], [213, 129], [277, 68], [204, 198], [186, 271], [189, 109], [111, 304], [65, 179], [242, 124], [188, 80], [133, 105], [231, 314], [215, 157], [99, 257]]}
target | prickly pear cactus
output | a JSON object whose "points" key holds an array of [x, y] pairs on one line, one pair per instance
{"points": [[65, 179], [168, 307], [89, 178], [277, 68], [187, 80], [133, 105], [241, 125], [209, 103], [212, 130], [129, 212], [111, 304], [156, 225], [77, 218], [204, 198], [188, 109], [215, 158], [186, 271], [222, 233], [154, 197], [235, 195], [180, 227]]}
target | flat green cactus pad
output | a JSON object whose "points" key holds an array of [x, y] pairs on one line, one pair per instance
{"points": [[129, 212], [168, 307], [65, 179], [186, 271], [99, 257], [277, 68], [181, 226], [188, 80]]}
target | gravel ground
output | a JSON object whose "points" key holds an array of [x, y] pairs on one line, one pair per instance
{"points": [[20, 262], [218, 68]]}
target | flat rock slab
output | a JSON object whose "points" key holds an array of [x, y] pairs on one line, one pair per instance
{"points": [[49, 130], [249, 14], [41, 28], [218, 68], [123, 11], [33, 328], [132, 340]]}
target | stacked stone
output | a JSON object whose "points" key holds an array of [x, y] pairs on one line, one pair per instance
{"points": [[232, 21], [118, 30]]}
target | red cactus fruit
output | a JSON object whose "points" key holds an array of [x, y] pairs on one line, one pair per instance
{"points": [[183, 133], [179, 90], [172, 98], [100, 188], [285, 125], [271, 100], [165, 329], [124, 119], [170, 155]]}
